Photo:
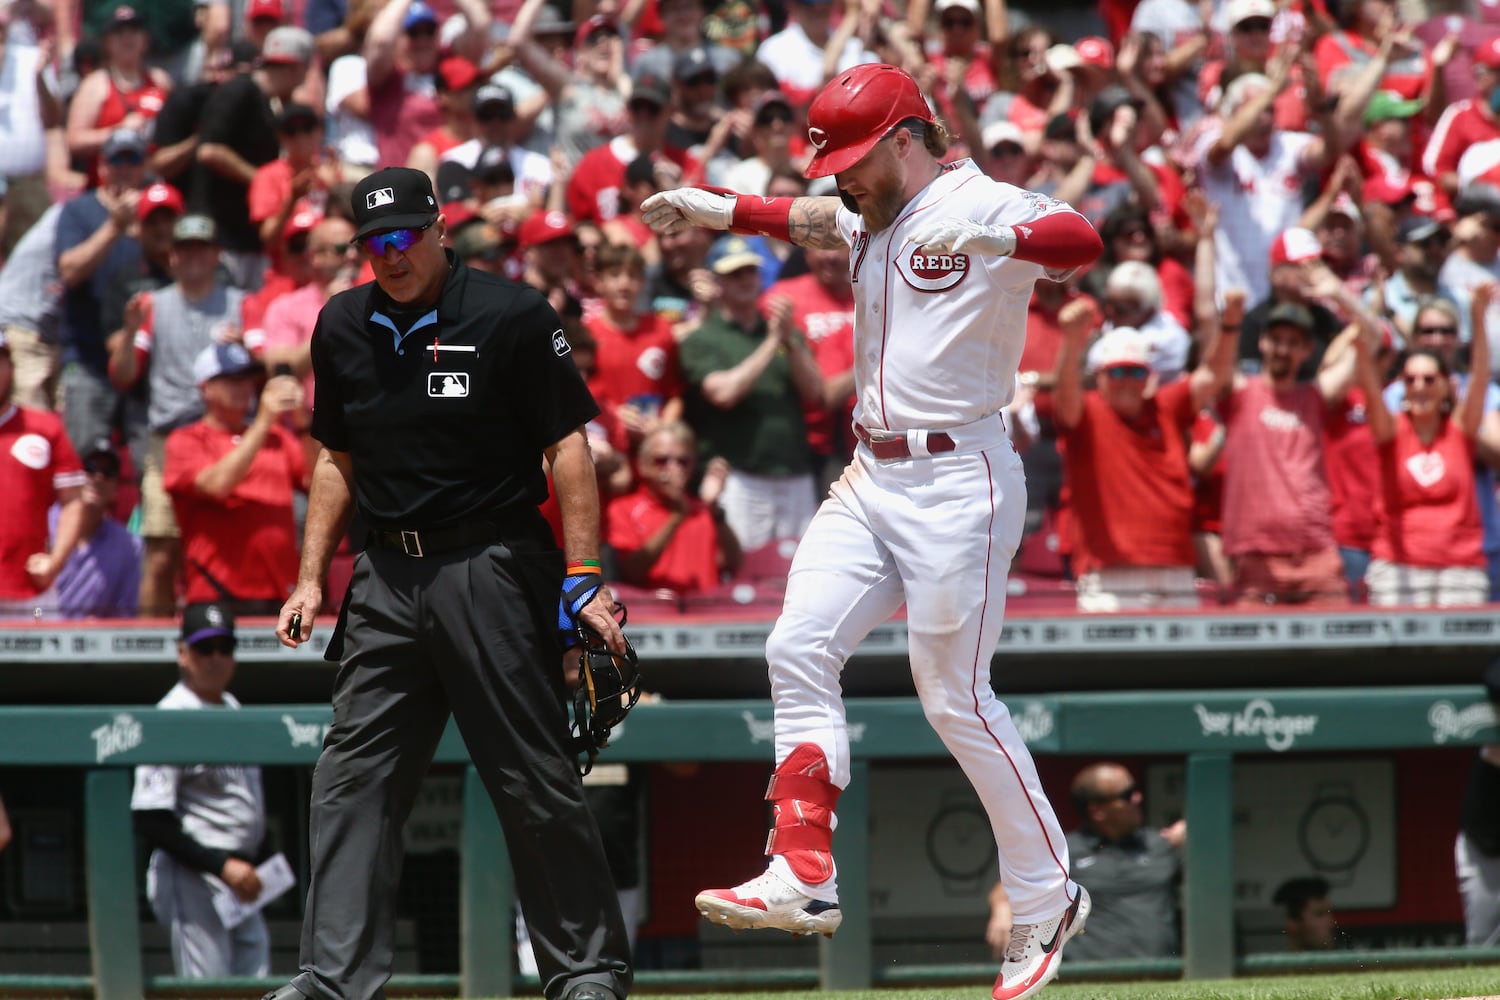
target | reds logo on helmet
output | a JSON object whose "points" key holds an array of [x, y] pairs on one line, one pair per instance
{"points": [[932, 272]]}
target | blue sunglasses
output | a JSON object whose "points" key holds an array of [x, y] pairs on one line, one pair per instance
{"points": [[1126, 372], [400, 240]]}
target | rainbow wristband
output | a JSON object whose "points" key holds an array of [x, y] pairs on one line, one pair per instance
{"points": [[585, 567]]}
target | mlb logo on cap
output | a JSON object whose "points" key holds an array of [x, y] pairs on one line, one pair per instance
{"points": [[393, 198]]}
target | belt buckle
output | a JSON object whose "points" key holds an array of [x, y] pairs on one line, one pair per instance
{"points": [[411, 544]]}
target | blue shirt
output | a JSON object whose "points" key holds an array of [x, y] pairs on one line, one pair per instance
{"points": [[102, 577], [82, 334]]}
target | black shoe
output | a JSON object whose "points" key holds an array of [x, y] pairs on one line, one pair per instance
{"points": [[287, 992], [583, 991]]}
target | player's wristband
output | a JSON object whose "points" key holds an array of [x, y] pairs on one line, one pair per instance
{"points": [[583, 566], [765, 216]]}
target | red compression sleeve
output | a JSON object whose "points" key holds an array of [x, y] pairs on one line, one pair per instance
{"points": [[1058, 240], [766, 216]]}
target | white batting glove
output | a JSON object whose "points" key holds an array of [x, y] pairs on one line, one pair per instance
{"points": [[678, 209], [957, 235]]}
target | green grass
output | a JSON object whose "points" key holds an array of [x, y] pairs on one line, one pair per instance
{"points": [[1409, 984]]}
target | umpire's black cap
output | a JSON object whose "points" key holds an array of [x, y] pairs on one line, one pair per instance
{"points": [[393, 198]]}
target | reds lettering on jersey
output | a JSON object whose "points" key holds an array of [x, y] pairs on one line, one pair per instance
{"points": [[939, 335]]}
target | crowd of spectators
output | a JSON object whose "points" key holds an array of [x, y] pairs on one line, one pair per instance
{"points": [[1260, 394]]}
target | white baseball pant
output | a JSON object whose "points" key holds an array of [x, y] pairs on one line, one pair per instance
{"points": [[938, 533], [202, 947]]}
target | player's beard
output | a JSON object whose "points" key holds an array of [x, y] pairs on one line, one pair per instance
{"points": [[881, 209]]}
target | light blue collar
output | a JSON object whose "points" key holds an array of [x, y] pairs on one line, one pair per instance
{"points": [[430, 319]]}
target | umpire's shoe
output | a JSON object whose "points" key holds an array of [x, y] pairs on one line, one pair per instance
{"points": [[584, 991], [287, 992]]}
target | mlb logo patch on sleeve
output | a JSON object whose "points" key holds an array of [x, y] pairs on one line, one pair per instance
{"points": [[453, 385]]}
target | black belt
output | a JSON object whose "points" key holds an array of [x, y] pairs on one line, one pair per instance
{"points": [[897, 447], [431, 541]]}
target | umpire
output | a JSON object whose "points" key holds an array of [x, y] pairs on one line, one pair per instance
{"points": [[440, 391]]}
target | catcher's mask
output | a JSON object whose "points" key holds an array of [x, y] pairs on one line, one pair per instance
{"points": [[610, 685]]}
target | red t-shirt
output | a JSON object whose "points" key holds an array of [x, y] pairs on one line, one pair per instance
{"points": [[1276, 499], [1406, 76], [1043, 335], [441, 140], [247, 540], [36, 461], [1353, 471], [1464, 124], [1131, 497], [1176, 291], [401, 112], [828, 324], [631, 365], [1208, 491], [1427, 511], [689, 562], [271, 187], [593, 190]]}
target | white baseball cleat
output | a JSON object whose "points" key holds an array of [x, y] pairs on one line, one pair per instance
{"points": [[767, 901], [1035, 950]]}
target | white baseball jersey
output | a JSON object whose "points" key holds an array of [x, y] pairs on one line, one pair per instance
{"points": [[1258, 200], [221, 807], [939, 336]]}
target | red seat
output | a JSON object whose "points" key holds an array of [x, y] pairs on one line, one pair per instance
{"points": [[770, 562]]}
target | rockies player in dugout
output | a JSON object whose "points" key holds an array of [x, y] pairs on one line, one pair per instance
{"points": [[440, 390], [943, 260]]}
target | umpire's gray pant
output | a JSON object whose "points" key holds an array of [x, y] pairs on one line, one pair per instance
{"points": [[461, 629]]}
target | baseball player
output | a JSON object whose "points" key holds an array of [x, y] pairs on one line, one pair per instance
{"points": [[929, 512], [204, 823]]}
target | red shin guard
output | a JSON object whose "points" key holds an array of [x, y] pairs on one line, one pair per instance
{"points": [[804, 800]]}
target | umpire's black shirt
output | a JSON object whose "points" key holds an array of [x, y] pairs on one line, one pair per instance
{"points": [[452, 434]]}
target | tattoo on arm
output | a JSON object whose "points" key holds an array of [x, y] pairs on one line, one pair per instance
{"points": [[814, 223]]}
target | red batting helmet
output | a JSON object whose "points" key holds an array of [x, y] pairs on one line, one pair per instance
{"points": [[855, 111]]}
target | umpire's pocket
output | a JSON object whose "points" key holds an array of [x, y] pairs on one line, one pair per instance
{"points": [[335, 650], [538, 573]]}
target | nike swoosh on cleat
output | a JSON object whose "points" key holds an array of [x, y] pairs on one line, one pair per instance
{"points": [[1062, 925]]}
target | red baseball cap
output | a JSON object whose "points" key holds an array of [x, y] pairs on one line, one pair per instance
{"points": [[273, 10], [588, 29], [1487, 53], [301, 221], [457, 73], [544, 227], [1295, 246], [1095, 51], [457, 213], [1382, 189], [159, 195]]}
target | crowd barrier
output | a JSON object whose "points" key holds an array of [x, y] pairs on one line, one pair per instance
{"points": [[1208, 727]]}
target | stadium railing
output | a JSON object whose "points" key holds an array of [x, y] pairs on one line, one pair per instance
{"points": [[1208, 727]]}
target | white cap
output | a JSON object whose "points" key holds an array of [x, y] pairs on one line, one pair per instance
{"points": [[1063, 56], [1124, 345], [997, 132], [222, 359], [452, 30], [1236, 11], [972, 6]]}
